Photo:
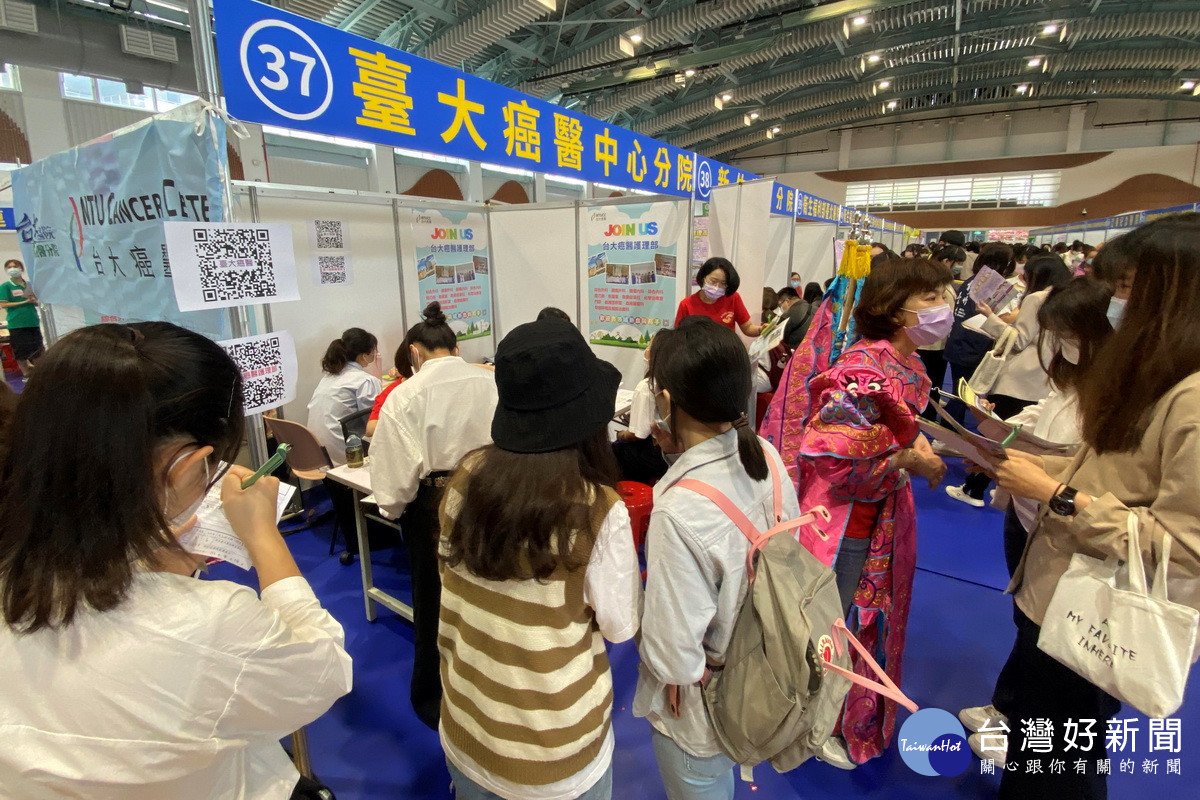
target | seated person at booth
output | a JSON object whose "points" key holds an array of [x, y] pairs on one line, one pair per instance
{"points": [[403, 371], [121, 676], [717, 298], [345, 387], [427, 425]]}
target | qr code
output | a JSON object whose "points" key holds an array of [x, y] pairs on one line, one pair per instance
{"points": [[330, 235], [332, 269], [261, 365], [235, 263]]}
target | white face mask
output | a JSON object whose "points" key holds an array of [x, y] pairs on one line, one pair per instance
{"points": [[187, 513], [1069, 350], [14, 272]]}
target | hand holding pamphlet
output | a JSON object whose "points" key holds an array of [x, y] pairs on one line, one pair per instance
{"points": [[990, 288]]}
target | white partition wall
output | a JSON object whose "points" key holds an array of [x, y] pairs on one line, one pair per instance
{"points": [[372, 300], [812, 251], [739, 228], [535, 253], [777, 255]]}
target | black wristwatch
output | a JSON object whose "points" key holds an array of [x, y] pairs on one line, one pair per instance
{"points": [[1063, 503]]}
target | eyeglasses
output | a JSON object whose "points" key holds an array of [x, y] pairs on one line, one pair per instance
{"points": [[715, 283]]}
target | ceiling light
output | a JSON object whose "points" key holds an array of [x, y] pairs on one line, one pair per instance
{"points": [[687, 73], [892, 104], [776, 129], [1049, 29], [858, 22], [637, 35], [748, 119], [1023, 88], [1035, 62], [753, 115], [884, 84], [771, 133], [1188, 86], [874, 58], [726, 96]]}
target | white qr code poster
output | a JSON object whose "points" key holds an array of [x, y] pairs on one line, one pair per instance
{"points": [[329, 241], [269, 369], [223, 264]]}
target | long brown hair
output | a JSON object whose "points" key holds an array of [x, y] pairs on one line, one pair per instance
{"points": [[521, 512], [1078, 311], [1156, 345], [81, 497]]}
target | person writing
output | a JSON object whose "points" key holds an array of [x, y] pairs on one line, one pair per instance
{"points": [[538, 569], [717, 298], [345, 387], [696, 556], [164, 687], [20, 307], [1140, 410], [426, 426]]}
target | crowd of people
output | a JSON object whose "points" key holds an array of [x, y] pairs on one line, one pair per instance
{"points": [[503, 479]]}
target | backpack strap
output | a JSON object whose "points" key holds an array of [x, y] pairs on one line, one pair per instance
{"points": [[757, 539], [888, 688]]}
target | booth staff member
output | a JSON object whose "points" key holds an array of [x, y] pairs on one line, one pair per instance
{"points": [[20, 305], [427, 425], [164, 687], [718, 298], [345, 387]]}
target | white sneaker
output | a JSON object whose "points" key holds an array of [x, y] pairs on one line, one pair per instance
{"points": [[834, 753], [998, 756], [977, 718], [961, 496]]}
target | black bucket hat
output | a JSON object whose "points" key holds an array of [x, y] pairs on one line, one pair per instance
{"points": [[554, 392]]}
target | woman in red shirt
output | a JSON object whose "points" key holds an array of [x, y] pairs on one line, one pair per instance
{"points": [[718, 298]]}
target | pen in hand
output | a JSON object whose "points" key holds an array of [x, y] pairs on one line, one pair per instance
{"points": [[269, 466]]}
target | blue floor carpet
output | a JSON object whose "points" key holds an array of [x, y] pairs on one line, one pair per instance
{"points": [[370, 745]]}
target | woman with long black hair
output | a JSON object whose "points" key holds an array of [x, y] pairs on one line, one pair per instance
{"points": [[122, 677], [696, 556], [1140, 402]]}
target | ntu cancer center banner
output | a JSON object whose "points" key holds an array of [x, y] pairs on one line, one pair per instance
{"points": [[91, 219], [632, 270]]}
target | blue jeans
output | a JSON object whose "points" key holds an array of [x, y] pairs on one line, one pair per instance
{"points": [[467, 789], [689, 777]]}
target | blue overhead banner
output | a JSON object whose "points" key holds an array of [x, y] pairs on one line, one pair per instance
{"points": [[783, 200], [710, 173], [282, 69], [809, 207]]}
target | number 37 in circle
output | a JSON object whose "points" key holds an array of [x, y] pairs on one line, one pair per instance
{"points": [[280, 63]]}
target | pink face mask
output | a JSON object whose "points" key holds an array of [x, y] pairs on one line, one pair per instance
{"points": [[714, 292], [933, 325]]}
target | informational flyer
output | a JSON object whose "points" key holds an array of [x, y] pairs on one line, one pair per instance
{"points": [[223, 264], [453, 268], [632, 264], [329, 242]]}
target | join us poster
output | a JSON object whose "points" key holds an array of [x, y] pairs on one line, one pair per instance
{"points": [[453, 268], [632, 270]]}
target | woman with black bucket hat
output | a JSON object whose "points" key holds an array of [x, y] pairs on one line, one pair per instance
{"points": [[538, 568]]}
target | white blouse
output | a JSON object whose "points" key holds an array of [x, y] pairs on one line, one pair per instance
{"points": [[337, 397], [181, 692]]}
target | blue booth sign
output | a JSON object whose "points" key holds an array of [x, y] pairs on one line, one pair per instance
{"points": [[783, 200], [8, 220], [282, 69]]}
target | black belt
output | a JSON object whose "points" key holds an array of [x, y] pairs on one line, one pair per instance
{"points": [[436, 479]]}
